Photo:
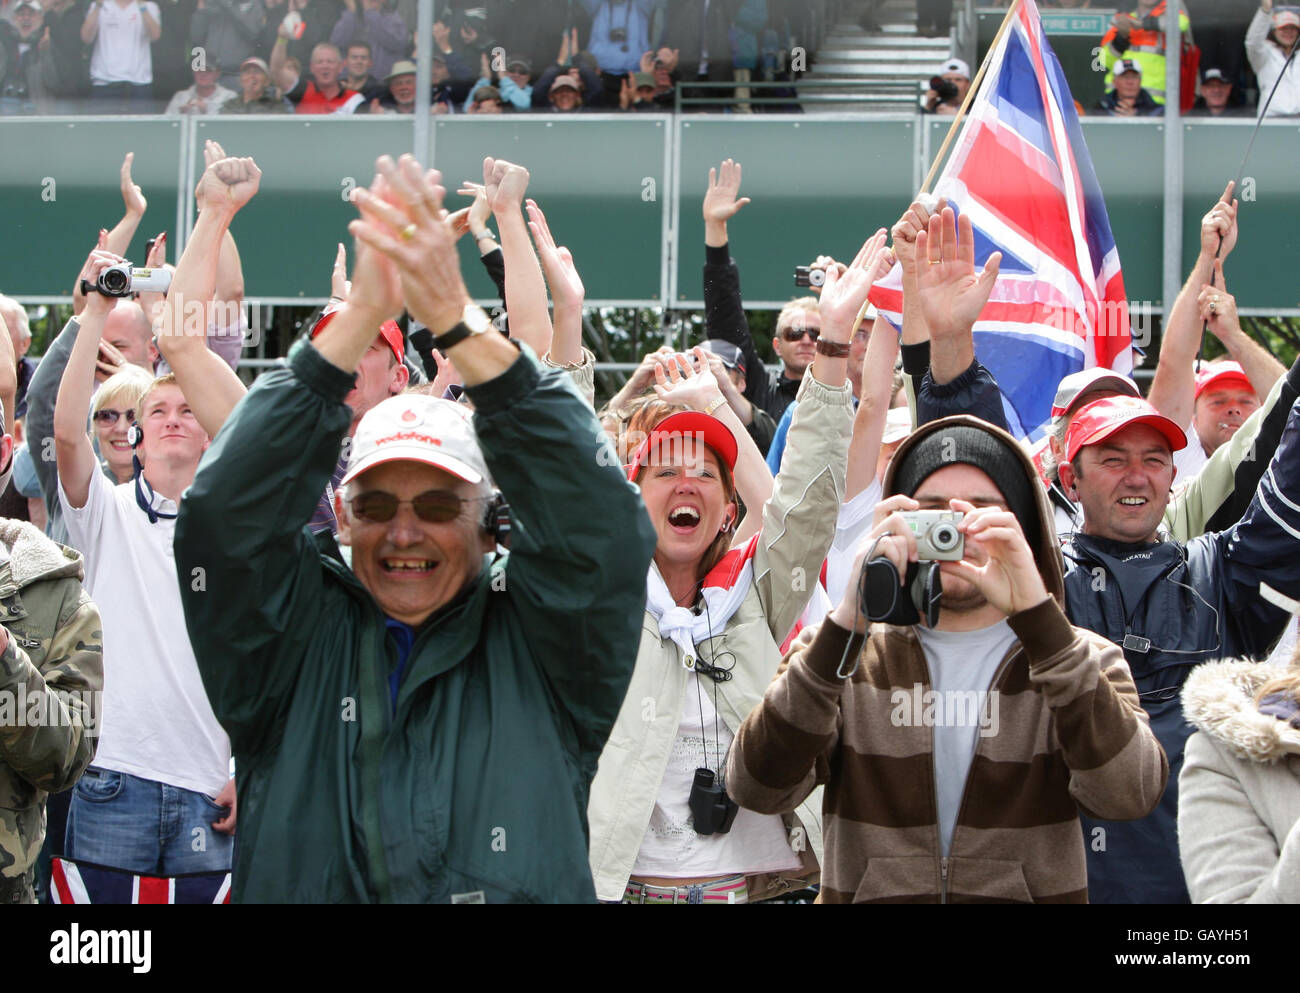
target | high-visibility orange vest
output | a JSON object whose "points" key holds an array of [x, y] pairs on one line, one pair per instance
{"points": [[1147, 49]]}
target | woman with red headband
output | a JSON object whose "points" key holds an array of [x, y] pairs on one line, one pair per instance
{"points": [[724, 594]]}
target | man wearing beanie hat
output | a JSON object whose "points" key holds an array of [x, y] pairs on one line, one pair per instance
{"points": [[925, 738], [423, 724]]}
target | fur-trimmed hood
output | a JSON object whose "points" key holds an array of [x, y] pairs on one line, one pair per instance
{"points": [[1219, 699], [33, 557]]}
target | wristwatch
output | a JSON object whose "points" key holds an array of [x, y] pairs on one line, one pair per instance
{"points": [[832, 349], [472, 322]]}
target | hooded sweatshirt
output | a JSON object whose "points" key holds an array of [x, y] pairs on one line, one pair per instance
{"points": [[1071, 736]]}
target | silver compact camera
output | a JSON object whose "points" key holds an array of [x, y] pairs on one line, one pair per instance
{"points": [[937, 537]]}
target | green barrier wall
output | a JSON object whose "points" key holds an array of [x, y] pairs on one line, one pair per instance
{"points": [[819, 186], [288, 233], [623, 193], [59, 186], [603, 185], [1262, 270]]}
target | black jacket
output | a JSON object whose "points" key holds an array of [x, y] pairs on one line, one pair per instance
{"points": [[724, 317]]}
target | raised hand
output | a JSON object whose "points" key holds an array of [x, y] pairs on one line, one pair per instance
{"points": [[914, 220], [403, 220], [557, 262], [339, 285], [647, 62], [132, 195], [722, 201], [952, 292], [691, 384], [228, 183], [480, 210], [845, 291], [1220, 223], [99, 260], [1218, 307], [504, 184], [997, 559]]}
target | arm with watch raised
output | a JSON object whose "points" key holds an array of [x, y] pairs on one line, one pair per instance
{"points": [[575, 572]]}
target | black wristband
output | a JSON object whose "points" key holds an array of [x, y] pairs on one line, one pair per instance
{"points": [[452, 336]]}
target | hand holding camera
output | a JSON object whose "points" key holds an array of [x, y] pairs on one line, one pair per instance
{"points": [[998, 561]]}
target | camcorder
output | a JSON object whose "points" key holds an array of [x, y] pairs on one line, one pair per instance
{"points": [[937, 537], [946, 89], [124, 280], [808, 276]]}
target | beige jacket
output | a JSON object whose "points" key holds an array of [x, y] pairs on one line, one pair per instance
{"points": [[798, 527], [1239, 791]]}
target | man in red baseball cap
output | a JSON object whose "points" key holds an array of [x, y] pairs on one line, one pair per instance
{"points": [[1169, 604]]}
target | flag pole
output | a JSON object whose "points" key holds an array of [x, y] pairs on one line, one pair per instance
{"points": [[956, 123], [970, 95]]}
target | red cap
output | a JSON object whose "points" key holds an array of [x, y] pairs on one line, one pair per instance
{"points": [[1219, 375], [389, 331], [688, 423], [1097, 421]]}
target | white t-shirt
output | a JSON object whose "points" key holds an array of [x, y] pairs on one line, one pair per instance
{"points": [[1191, 459], [156, 721], [851, 526], [962, 664], [756, 843], [212, 102], [121, 52]]}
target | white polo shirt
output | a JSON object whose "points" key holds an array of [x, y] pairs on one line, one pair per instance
{"points": [[121, 53], [156, 720]]}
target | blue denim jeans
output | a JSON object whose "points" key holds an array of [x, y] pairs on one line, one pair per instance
{"points": [[125, 822]]}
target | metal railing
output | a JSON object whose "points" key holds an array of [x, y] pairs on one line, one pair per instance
{"points": [[842, 91]]}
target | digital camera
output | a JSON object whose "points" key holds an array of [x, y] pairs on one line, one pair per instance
{"points": [[808, 276], [945, 88], [125, 279], [937, 537]]}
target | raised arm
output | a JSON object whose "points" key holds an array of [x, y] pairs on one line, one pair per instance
{"points": [[505, 185], [724, 311], [567, 292], [1218, 308], [1173, 389], [873, 408], [90, 26], [8, 382], [118, 240], [209, 384], [73, 452]]}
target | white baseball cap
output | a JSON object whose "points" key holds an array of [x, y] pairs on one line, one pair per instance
{"points": [[412, 427], [1075, 385], [957, 66], [898, 425]]}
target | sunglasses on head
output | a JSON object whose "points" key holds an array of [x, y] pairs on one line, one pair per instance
{"points": [[107, 416], [795, 334], [433, 507]]}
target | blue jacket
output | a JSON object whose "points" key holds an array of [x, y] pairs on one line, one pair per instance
{"points": [[1171, 606]]}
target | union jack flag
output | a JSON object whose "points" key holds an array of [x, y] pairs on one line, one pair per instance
{"points": [[1021, 171], [81, 882]]}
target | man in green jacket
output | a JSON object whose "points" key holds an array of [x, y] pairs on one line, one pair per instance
{"points": [[423, 726]]}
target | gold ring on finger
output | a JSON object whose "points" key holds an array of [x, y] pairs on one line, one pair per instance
{"points": [[408, 232]]}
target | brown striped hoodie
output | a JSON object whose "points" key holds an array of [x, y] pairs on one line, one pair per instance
{"points": [[1071, 736]]}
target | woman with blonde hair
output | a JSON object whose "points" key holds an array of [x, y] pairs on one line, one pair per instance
{"points": [[112, 415]]}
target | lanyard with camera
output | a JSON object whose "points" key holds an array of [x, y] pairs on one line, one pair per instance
{"points": [[712, 810]]}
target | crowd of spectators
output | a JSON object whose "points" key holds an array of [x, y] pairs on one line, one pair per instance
{"points": [[420, 624], [358, 56]]}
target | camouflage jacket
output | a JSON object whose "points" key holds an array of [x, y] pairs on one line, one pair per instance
{"points": [[51, 677]]}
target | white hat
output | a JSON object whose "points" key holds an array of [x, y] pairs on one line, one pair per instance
{"points": [[957, 66], [1286, 17], [416, 428], [1076, 384], [898, 425]]}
